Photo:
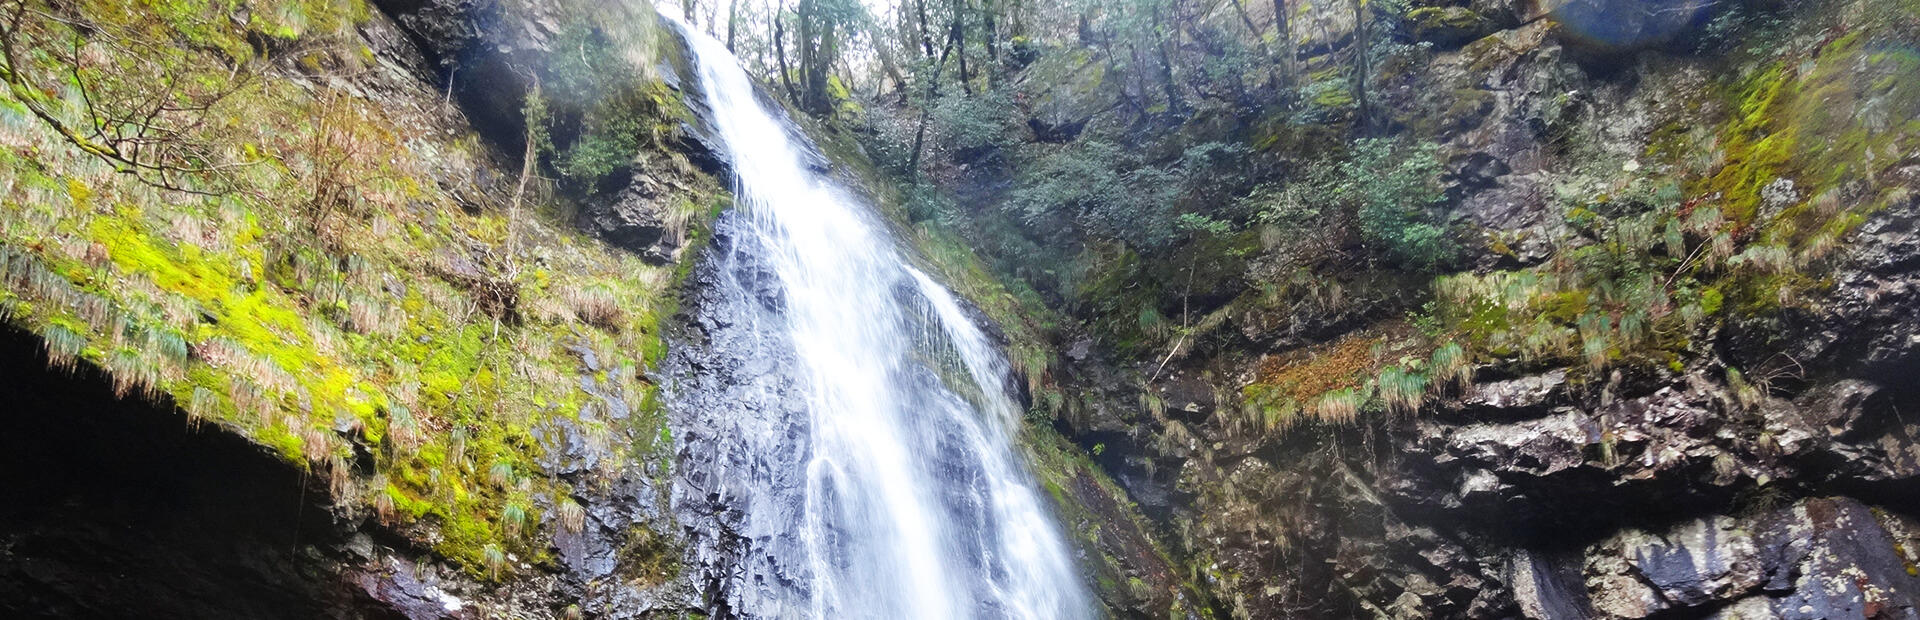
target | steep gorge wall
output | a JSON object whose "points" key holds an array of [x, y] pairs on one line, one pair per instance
{"points": [[1682, 291]]}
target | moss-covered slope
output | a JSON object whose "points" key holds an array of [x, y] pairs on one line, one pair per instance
{"points": [[267, 215]]}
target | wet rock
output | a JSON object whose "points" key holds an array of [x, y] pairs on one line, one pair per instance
{"points": [[1477, 171], [1517, 398], [1322, 26], [485, 53], [637, 218], [1636, 574], [1072, 90], [1863, 325], [399, 584], [1500, 88], [1819, 558], [1614, 26], [1546, 587], [738, 406], [1856, 432]]}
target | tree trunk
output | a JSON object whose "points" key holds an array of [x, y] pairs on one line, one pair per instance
{"points": [[992, 34], [926, 40], [816, 58], [1360, 45], [1175, 107], [957, 36], [733, 21], [780, 52], [1266, 51], [821, 103], [933, 92], [804, 45], [1283, 27]]}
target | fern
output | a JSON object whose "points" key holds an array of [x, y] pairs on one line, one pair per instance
{"points": [[170, 344], [1594, 348], [501, 474], [133, 373], [513, 517], [63, 346], [495, 560], [1402, 390], [200, 405], [1451, 367]]}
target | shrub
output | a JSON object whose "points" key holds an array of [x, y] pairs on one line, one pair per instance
{"points": [[1383, 190], [513, 517], [1393, 186], [1451, 366], [495, 560], [970, 126], [63, 345], [1339, 406], [1110, 192]]}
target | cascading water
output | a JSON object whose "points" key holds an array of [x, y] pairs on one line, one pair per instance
{"points": [[911, 503]]}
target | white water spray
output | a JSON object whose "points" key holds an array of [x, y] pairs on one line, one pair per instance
{"points": [[916, 506]]}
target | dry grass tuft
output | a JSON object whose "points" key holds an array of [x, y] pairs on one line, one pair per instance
{"points": [[1340, 406], [595, 306], [134, 373], [571, 516]]}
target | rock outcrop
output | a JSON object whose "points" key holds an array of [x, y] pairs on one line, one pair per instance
{"points": [[492, 54]]}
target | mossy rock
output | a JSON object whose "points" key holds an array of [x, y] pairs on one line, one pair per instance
{"points": [[1448, 27]]}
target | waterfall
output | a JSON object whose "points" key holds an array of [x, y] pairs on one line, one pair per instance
{"points": [[911, 502]]}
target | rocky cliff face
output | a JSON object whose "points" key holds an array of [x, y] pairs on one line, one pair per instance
{"points": [[1645, 438]]}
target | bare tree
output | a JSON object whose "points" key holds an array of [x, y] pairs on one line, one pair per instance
{"points": [[145, 128]]}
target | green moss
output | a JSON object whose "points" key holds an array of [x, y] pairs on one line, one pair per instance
{"points": [[1070, 476], [1759, 149], [1449, 25]]}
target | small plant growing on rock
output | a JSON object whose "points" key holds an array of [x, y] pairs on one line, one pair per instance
{"points": [[501, 474], [495, 561], [571, 516], [513, 518], [1403, 390], [1339, 406], [1451, 367], [63, 345]]}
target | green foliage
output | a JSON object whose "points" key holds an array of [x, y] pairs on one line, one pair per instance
{"points": [[1385, 190], [1401, 389], [1451, 366], [1111, 193], [592, 109], [495, 561], [1393, 186], [972, 125], [1195, 222], [926, 202]]}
